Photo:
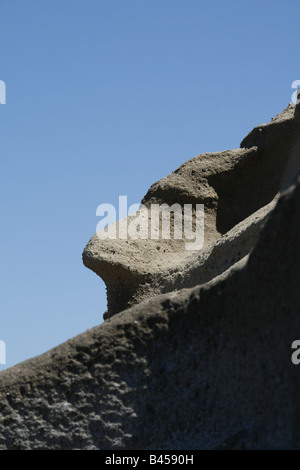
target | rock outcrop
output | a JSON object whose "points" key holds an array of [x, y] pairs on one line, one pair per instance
{"points": [[238, 189], [201, 360]]}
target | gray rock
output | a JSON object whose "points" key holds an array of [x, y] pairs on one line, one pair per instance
{"points": [[206, 366], [233, 185]]}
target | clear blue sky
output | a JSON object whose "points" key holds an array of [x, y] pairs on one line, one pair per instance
{"points": [[105, 97]]}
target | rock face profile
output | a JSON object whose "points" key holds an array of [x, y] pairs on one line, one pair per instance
{"points": [[238, 188], [195, 350]]}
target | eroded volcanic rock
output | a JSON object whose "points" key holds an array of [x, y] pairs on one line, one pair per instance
{"points": [[204, 367], [238, 189]]}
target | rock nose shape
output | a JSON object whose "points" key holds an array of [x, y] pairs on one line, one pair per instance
{"points": [[232, 187]]}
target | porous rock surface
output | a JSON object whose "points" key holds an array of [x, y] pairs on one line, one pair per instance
{"points": [[238, 189], [204, 367]]}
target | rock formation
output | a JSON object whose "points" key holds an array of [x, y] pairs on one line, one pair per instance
{"points": [[238, 189], [196, 349]]}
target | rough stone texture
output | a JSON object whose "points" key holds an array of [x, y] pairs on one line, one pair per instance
{"points": [[233, 185], [205, 367], [187, 370], [160, 274]]}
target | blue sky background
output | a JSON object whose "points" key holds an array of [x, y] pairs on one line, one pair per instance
{"points": [[105, 97]]}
